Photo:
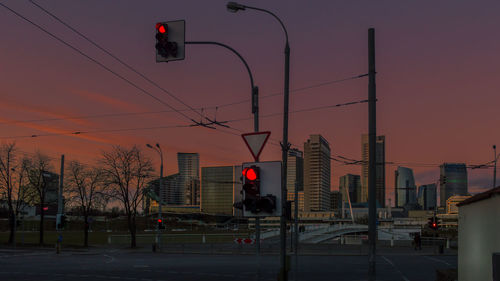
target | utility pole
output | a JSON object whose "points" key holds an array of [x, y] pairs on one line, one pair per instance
{"points": [[372, 165], [285, 146], [160, 192], [495, 170]]}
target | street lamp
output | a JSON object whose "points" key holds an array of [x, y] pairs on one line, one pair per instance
{"points": [[235, 7], [159, 221]]}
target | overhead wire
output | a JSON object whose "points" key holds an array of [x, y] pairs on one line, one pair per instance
{"points": [[114, 56], [142, 90]]}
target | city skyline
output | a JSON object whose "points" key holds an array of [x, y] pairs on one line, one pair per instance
{"points": [[63, 84]]}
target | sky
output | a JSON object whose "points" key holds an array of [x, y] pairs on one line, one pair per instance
{"points": [[437, 72]]}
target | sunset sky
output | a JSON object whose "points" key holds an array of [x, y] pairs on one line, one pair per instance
{"points": [[437, 80]]}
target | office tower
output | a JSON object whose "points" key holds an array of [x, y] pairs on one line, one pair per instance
{"points": [[350, 185], [405, 189], [335, 200], [291, 197], [217, 187], [380, 169], [189, 177], [170, 194], [427, 196], [453, 181], [316, 174], [295, 172]]}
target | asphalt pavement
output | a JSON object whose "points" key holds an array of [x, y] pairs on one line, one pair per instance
{"points": [[113, 264]]}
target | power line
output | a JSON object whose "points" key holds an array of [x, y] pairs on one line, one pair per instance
{"points": [[107, 115], [113, 56], [95, 61], [75, 133], [298, 89], [302, 110]]}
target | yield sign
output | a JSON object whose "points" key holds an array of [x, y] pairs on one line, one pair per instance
{"points": [[255, 142]]}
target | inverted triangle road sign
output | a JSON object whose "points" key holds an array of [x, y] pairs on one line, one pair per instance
{"points": [[255, 142]]}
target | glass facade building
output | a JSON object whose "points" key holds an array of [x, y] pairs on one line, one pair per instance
{"points": [[217, 187], [405, 189], [427, 196], [453, 181], [352, 184]]}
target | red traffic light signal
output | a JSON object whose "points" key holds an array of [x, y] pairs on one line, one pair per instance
{"points": [[159, 221], [433, 223], [251, 173], [170, 40], [162, 28]]}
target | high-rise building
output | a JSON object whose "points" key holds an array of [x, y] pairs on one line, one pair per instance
{"points": [[427, 196], [316, 174], [291, 197], [405, 188], [453, 181], [335, 200], [295, 170], [189, 177], [350, 184], [380, 169], [170, 193], [217, 187]]}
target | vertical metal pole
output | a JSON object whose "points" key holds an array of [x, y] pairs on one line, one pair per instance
{"points": [[59, 197], [284, 148], [495, 170], [372, 138], [255, 111], [296, 230], [296, 217], [158, 234]]}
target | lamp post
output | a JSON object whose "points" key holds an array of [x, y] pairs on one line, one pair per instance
{"points": [[157, 148], [235, 7]]}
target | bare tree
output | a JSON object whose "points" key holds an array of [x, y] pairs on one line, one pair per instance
{"points": [[37, 170], [127, 172], [86, 189], [12, 183]]}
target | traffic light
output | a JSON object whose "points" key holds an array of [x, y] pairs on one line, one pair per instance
{"points": [[433, 223], [160, 224], [169, 41], [260, 189], [251, 188]]}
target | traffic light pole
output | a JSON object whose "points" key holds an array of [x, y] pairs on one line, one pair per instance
{"points": [[372, 138], [255, 111], [160, 189]]}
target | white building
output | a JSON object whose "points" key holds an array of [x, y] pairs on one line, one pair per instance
{"points": [[479, 237]]}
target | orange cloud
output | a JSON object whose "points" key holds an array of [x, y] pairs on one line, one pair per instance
{"points": [[42, 111], [117, 103], [53, 130]]}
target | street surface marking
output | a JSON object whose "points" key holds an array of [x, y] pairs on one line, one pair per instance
{"points": [[393, 265]]}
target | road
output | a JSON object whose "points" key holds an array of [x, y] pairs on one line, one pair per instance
{"points": [[134, 265]]}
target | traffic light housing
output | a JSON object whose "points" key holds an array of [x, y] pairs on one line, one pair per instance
{"points": [[251, 188], [260, 189], [433, 223], [160, 223], [170, 40]]}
